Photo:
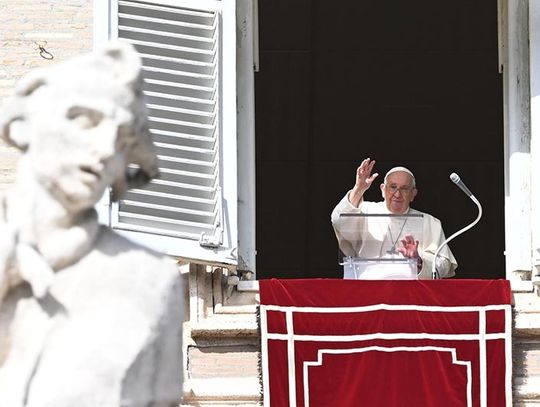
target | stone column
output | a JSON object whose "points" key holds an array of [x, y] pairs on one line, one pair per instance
{"points": [[517, 140], [534, 68]]}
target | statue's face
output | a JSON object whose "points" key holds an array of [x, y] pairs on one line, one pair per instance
{"points": [[81, 136]]}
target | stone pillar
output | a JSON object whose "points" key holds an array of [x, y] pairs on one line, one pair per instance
{"points": [[534, 61], [517, 140]]}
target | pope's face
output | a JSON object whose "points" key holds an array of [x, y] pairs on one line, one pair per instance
{"points": [[398, 192], [80, 141]]}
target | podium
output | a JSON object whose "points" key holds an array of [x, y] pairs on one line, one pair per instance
{"points": [[329, 342], [370, 245], [390, 268]]}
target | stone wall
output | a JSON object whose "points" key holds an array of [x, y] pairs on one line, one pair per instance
{"points": [[526, 350], [63, 28], [221, 340]]}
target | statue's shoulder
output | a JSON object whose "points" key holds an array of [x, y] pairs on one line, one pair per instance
{"points": [[120, 250]]}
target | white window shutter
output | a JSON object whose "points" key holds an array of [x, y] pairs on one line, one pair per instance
{"points": [[188, 51]]}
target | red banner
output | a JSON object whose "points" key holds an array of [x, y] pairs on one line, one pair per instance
{"points": [[346, 343]]}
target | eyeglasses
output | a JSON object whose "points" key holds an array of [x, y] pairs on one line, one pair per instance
{"points": [[394, 188]]}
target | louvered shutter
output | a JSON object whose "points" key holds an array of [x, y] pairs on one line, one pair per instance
{"points": [[190, 84]]}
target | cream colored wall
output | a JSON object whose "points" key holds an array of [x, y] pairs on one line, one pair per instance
{"points": [[63, 27]]}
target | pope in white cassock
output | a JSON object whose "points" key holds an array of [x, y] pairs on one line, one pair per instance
{"points": [[398, 191]]}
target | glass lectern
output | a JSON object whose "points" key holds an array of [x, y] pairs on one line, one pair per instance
{"points": [[372, 245]]}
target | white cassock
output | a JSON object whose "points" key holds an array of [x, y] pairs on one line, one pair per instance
{"points": [[386, 233]]}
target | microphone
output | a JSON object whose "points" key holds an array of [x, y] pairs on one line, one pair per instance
{"points": [[456, 180]]}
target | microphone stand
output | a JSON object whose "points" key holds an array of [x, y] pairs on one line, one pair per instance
{"points": [[434, 272]]}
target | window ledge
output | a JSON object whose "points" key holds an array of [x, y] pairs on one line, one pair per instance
{"points": [[248, 286], [225, 326], [522, 286]]}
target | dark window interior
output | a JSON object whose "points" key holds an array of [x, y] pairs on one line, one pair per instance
{"points": [[412, 83]]}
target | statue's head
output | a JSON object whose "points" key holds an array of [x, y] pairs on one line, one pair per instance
{"points": [[81, 125]]}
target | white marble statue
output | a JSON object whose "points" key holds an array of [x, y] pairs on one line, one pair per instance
{"points": [[87, 318]]}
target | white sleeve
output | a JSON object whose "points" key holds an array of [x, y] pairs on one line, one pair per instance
{"points": [[347, 228], [443, 266], [432, 239]]}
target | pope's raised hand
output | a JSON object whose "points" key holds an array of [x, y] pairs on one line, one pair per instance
{"points": [[364, 178]]}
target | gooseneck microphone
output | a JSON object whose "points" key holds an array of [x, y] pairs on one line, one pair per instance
{"points": [[456, 180]]}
